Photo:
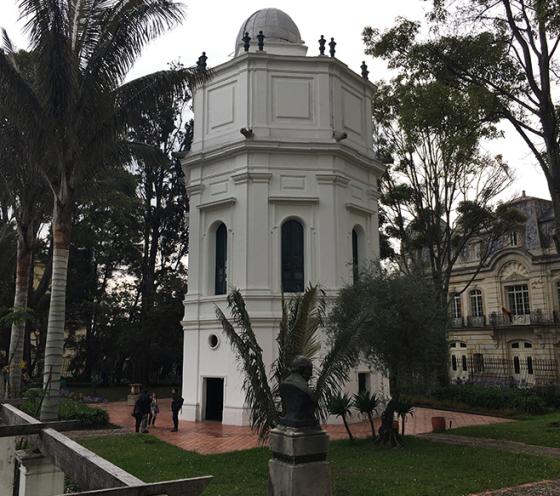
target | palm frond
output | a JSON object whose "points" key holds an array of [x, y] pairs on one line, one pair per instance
{"points": [[258, 396], [7, 44], [128, 26], [298, 332], [337, 363], [146, 93], [17, 98]]}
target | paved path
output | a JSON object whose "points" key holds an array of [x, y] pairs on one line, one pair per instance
{"points": [[543, 488], [498, 444], [213, 437]]}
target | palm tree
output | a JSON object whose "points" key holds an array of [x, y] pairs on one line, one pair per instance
{"points": [[366, 403], [79, 110], [26, 191], [341, 406], [302, 319], [402, 409]]}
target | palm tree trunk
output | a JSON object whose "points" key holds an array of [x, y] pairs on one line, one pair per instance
{"points": [[54, 346], [370, 417], [17, 338], [347, 428]]}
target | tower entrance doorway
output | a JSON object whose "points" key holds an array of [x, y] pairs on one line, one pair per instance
{"points": [[214, 389]]}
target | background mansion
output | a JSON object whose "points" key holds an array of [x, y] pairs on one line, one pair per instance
{"points": [[505, 328]]}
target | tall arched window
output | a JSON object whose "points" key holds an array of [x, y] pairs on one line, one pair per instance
{"points": [[355, 258], [476, 303], [220, 280], [292, 257]]}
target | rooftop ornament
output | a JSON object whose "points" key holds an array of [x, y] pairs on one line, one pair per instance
{"points": [[260, 40], [332, 46], [201, 62], [246, 41], [322, 43], [365, 71]]}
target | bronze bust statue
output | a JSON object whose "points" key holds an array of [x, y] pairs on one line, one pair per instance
{"points": [[299, 401]]}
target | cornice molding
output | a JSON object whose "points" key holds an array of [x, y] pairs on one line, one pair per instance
{"points": [[217, 203]]}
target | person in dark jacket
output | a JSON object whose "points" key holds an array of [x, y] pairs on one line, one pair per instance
{"points": [[176, 405], [141, 411]]}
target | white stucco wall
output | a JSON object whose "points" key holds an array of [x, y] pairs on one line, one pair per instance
{"points": [[293, 167]]}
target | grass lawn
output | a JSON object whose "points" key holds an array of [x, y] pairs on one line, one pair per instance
{"points": [[421, 468], [534, 430]]}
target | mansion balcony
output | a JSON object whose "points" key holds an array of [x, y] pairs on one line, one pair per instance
{"points": [[495, 319]]}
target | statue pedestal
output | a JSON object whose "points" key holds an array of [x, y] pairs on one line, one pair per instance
{"points": [[299, 462]]}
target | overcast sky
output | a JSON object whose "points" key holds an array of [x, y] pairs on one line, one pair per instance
{"points": [[212, 26]]}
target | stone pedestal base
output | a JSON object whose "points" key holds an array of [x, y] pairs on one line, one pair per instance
{"points": [[131, 399], [299, 463], [38, 475]]}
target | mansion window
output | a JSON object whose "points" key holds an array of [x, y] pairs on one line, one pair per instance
{"points": [[220, 280], [476, 303], [292, 257], [514, 238], [456, 311], [518, 299], [478, 362]]}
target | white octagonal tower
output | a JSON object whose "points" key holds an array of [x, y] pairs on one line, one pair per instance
{"points": [[282, 182]]}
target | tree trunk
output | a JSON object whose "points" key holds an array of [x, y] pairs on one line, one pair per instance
{"points": [[347, 428], [370, 417], [17, 338], [403, 419], [54, 346]]}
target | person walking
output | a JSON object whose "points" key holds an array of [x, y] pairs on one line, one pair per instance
{"points": [[176, 405], [154, 410], [141, 411]]}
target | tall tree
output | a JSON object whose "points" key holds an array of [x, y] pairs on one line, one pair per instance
{"points": [[26, 189], [164, 205], [440, 192], [508, 50], [400, 322], [80, 108]]}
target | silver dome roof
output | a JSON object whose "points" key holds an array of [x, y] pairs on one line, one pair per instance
{"points": [[275, 25]]}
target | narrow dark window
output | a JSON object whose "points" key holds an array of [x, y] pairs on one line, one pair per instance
{"points": [[516, 365], [530, 365], [453, 362], [355, 269], [362, 382], [220, 281], [464, 362], [292, 257]]}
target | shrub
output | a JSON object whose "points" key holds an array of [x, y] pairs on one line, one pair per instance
{"points": [[533, 401], [69, 409]]}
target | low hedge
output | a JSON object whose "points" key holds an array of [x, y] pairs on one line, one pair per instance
{"points": [[534, 401], [69, 409]]}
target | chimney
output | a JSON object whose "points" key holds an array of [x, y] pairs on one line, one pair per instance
{"points": [[523, 194]]}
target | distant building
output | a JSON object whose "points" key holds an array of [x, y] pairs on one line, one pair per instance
{"points": [[505, 328]]}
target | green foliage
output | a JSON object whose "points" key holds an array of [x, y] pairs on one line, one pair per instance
{"points": [[357, 467], [403, 408], [502, 56], [69, 409], [340, 405], [365, 402], [401, 321], [302, 319], [531, 401]]}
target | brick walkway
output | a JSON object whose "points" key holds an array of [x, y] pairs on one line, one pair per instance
{"points": [[213, 437]]}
